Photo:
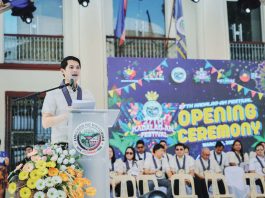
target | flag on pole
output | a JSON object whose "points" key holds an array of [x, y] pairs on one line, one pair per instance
{"points": [[180, 31], [120, 24]]}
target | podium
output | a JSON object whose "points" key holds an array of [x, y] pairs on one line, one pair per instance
{"points": [[88, 134]]}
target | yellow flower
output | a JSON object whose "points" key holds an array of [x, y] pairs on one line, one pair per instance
{"points": [[25, 192], [50, 164], [35, 174], [91, 191], [53, 171], [42, 171], [23, 175], [12, 188], [40, 164], [31, 183]]}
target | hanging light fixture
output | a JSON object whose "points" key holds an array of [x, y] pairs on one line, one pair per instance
{"points": [[84, 3]]}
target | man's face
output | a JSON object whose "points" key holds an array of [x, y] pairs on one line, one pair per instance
{"points": [[219, 149], [72, 71], [140, 148], [260, 151], [179, 151], [28, 150], [159, 153], [164, 145], [205, 154]]}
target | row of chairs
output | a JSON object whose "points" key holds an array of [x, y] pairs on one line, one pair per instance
{"points": [[183, 179]]}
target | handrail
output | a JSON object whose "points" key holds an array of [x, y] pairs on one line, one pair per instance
{"points": [[35, 35]]}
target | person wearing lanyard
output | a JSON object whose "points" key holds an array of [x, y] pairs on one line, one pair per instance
{"points": [[141, 154], [236, 157], [257, 164], [202, 165], [166, 155], [57, 102], [159, 167], [181, 163], [219, 155]]}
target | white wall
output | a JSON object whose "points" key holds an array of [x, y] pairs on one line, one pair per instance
{"points": [[31, 81]]}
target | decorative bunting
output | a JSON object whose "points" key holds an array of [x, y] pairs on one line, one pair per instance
{"points": [[133, 85], [260, 95], [126, 89], [239, 88], [219, 75], [111, 93], [140, 82], [207, 65], [213, 70], [118, 91], [233, 85], [246, 90], [164, 63], [253, 93]]}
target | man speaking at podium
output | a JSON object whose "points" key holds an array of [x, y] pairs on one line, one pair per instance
{"points": [[56, 105]]}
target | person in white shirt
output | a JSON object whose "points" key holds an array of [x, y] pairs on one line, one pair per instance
{"points": [[166, 155], [56, 105], [159, 167], [205, 164], [181, 163], [130, 164], [141, 154], [257, 164], [236, 157], [219, 155]]}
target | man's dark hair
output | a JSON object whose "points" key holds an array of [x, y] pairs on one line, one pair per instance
{"points": [[140, 142], [64, 62], [163, 141], [180, 144], [157, 147], [219, 144], [28, 146], [259, 144]]}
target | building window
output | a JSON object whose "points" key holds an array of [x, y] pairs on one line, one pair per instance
{"points": [[243, 26]]}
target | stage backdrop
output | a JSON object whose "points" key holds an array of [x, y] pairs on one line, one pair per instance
{"points": [[195, 102]]}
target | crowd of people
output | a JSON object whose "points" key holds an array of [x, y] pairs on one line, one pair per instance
{"points": [[159, 162]]}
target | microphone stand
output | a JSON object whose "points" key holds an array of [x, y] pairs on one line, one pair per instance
{"points": [[39, 93]]}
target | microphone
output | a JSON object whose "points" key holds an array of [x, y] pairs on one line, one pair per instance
{"points": [[72, 84]]}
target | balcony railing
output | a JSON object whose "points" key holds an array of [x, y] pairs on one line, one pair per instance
{"points": [[43, 49], [152, 47], [253, 51]]}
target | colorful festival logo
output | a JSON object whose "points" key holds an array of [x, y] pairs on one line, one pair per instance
{"points": [[129, 74], [152, 109], [88, 138], [244, 76], [178, 75], [202, 76], [156, 74]]}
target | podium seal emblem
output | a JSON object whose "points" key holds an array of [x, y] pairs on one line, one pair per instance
{"points": [[88, 138]]}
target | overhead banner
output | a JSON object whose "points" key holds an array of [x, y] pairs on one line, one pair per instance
{"points": [[195, 102]]}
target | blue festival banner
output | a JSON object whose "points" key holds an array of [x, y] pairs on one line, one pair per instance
{"points": [[195, 102]]}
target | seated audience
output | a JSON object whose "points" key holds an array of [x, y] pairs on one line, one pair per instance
{"points": [[141, 154], [159, 167], [219, 155], [166, 155], [236, 157], [205, 165]]}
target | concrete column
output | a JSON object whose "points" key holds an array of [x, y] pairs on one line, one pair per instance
{"points": [[1, 38]]}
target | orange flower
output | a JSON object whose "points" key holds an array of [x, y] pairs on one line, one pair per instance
{"points": [[79, 173], [53, 171], [80, 192], [71, 171], [78, 182], [87, 182], [63, 176], [90, 191]]}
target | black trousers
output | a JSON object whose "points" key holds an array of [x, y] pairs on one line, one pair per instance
{"points": [[201, 188]]}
